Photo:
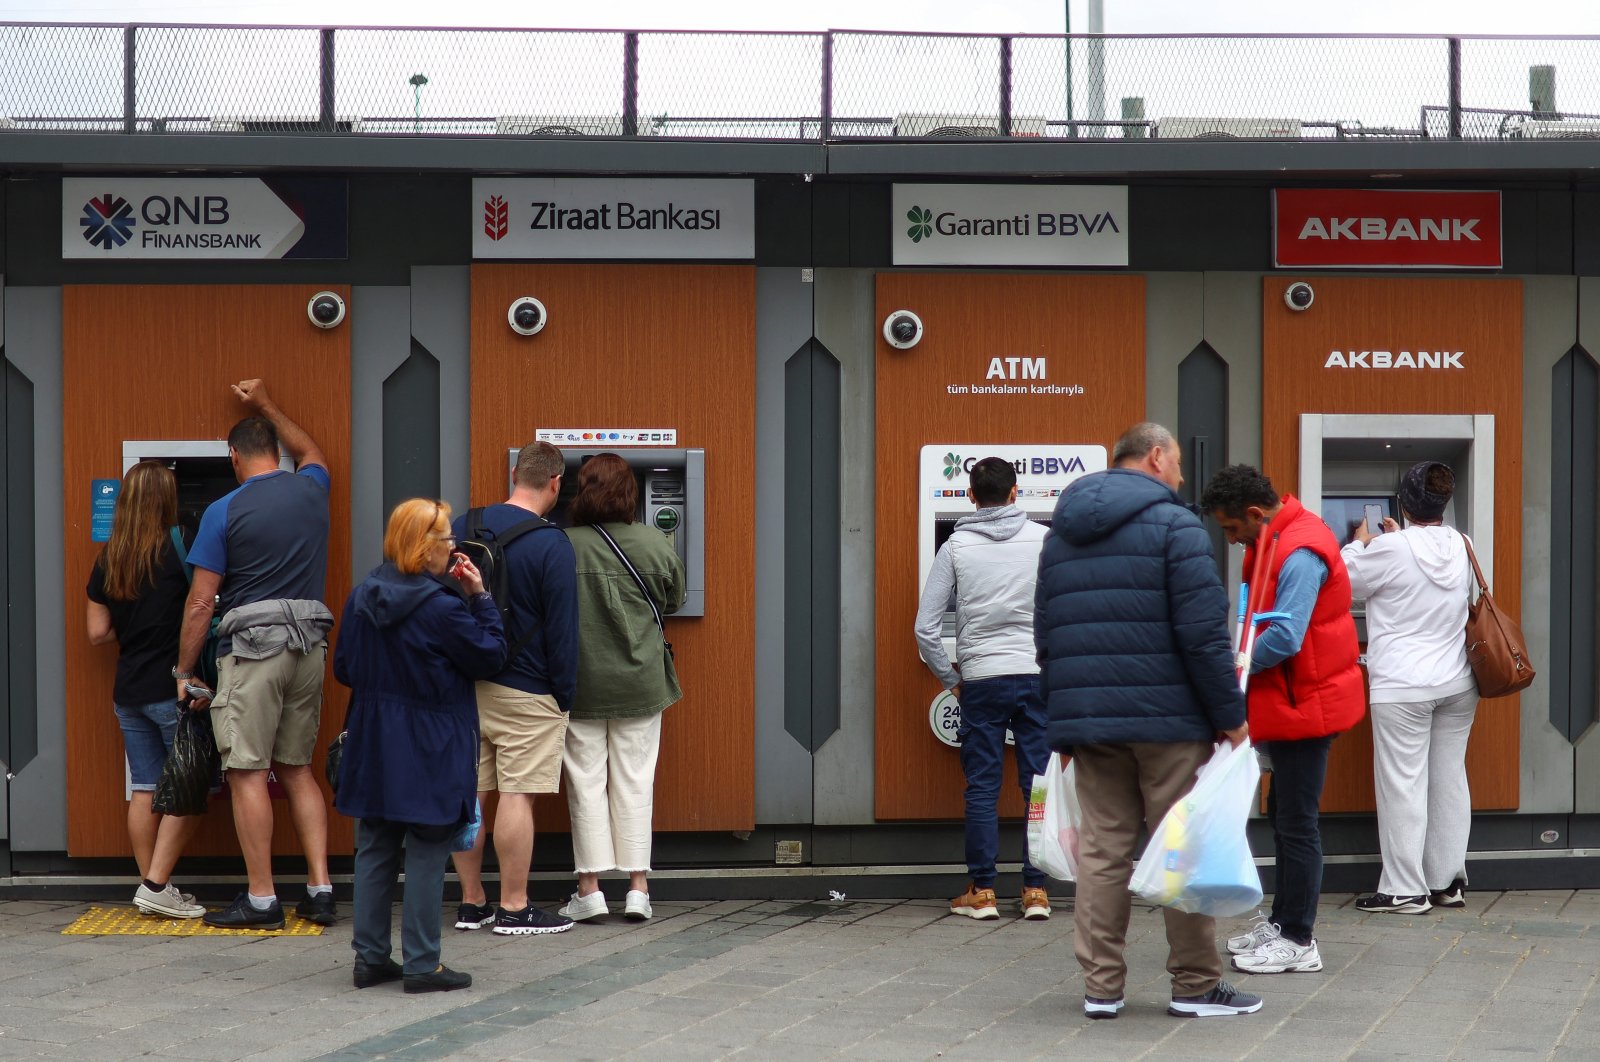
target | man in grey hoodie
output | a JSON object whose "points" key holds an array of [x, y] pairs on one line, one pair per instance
{"points": [[988, 567]]}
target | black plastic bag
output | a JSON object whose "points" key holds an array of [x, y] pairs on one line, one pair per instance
{"points": [[191, 767]]}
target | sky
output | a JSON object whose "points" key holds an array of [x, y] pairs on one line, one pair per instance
{"points": [[1538, 17]]}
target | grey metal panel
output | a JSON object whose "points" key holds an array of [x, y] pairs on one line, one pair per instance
{"points": [[21, 737], [1575, 388], [441, 320], [1233, 331], [1550, 321], [379, 341], [5, 579], [844, 764], [783, 763], [39, 792], [54, 151], [1195, 227], [411, 429], [1203, 431]]}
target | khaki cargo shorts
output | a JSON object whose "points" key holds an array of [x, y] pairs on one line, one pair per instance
{"points": [[520, 740], [268, 711]]}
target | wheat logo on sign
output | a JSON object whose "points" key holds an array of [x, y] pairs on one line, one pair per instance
{"points": [[496, 217]]}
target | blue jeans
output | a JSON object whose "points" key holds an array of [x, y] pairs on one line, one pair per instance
{"points": [[989, 707], [1293, 806], [380, 847], [147, 731]]}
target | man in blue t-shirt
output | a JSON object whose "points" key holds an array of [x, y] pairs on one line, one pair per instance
{"points": [[260, 560], [522, 712]]}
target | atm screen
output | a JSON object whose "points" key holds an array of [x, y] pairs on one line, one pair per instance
{"points": [[1343, 514], [944, 523], [201, 481]]}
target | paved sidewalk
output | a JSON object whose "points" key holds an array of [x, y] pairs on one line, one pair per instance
{"points": [[1515, 973]]}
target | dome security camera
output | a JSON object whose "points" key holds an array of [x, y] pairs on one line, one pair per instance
{"points": [[527, 316], [1299, 296], [902, 330], [326, 309]]}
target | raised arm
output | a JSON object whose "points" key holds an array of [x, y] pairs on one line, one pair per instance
{"points": [[302, 447]]}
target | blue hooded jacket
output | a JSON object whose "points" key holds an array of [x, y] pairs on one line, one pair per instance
{"points": [[1130, 618], [410, 650]]}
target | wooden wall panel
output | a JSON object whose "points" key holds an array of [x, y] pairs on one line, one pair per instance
{"points": [[1483, 319], [1092, 330], [156, 362], [647, 346]]}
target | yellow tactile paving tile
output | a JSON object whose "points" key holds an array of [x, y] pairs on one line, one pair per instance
{"points": [[132, 922]]}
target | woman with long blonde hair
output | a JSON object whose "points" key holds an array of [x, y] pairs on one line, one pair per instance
{"points": [[136, 594]]}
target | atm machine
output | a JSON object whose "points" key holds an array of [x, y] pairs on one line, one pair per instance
{"points": [[202, 466], [672, 499], [1044, 471]]}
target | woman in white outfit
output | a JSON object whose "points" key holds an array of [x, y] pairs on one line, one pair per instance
{"points": [[1416, 582]]}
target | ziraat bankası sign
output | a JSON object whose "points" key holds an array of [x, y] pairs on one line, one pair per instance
{"points": [[566, 217], [117, 218], [1010, 224]]}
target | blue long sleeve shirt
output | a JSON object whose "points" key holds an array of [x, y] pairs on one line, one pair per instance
{"points": [[1299, 582]]}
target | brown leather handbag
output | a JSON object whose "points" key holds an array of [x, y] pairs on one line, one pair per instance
{"points": [[1496, 648]]}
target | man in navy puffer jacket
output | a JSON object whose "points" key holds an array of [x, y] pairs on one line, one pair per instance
{"points": [[1131, 627]]}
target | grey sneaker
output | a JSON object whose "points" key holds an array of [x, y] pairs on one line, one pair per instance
{"points": [[1258, 935], [1220, 1002], [1280, 956], [168, 903], [1101, 1008]]}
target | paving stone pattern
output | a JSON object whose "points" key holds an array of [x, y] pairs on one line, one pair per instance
{"points": [[1513, 975]]}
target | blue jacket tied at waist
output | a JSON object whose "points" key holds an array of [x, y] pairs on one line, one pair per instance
{"points": [[410, 649], [1130, 618]]}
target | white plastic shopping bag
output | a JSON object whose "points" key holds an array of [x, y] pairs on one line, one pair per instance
{"points": [[1053, 821], [1198, 859]]}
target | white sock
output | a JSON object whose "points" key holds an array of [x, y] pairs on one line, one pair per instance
{"points": [[318, 890], [262, 903]]}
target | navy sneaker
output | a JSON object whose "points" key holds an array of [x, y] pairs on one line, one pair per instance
{"points": [[474, 915], [1383, 903], [241, 914], [319, 909], [529, 920], [1454, 896], [1220, 1002]]}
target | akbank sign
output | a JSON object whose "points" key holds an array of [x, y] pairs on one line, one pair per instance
{"points": [[1010, 225], [563, 217], [109, 218]]}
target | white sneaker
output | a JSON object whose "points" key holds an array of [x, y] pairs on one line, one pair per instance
{"points": [[168, 903], [638, 909], [583, 908], [1280, 955], [1258, 935]]}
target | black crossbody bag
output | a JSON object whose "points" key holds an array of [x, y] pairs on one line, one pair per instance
{"points": [[628, 564]]}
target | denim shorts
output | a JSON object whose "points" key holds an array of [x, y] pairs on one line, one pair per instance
{"points": [[147, 731]]}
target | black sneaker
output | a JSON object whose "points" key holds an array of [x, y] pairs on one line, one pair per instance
{"points": [[1383, 903], [1221, 1001], [1454, 896], [443, 979], [241, 915], [365, 976], [530, 920], [474, 916], [319, 909]]}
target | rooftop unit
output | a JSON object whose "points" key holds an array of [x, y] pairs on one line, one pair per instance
{"points": [[958, 126], [283, 123], [1228, 128], [563, 125], [1554, 129]]}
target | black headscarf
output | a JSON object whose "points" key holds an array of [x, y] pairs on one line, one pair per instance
{"points": [[1416, 500]]}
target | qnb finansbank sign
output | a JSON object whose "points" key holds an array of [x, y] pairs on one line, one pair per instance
{"points": [[1010, 225], [562, 217], [111, 218]]}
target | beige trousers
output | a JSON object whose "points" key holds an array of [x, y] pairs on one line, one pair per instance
{"points": [[611, 784], [1120, 788]]}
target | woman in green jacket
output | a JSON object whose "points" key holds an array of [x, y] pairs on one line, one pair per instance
{"points": [[625, 679]]}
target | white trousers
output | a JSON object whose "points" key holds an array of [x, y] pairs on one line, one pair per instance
{"points": [[1424, 807], [611, 781]]}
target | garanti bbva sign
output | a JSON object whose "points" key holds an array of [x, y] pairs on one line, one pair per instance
{"points": [[111, 218], [1010, 225], [563, 217]]}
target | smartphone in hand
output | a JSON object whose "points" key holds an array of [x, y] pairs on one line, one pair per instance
{"points": [[1374, 515]]}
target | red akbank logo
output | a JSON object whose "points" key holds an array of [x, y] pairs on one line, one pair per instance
{"points": [[1384, 228], [496, 217]]}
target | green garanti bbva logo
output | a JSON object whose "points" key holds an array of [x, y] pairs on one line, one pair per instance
{"points": [[921, 220], [952, 463]]}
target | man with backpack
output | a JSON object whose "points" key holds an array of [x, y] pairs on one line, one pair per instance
{"points": [[529, 567]]}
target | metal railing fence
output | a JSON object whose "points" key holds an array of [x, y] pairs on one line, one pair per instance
{"points": [[837, 85]]}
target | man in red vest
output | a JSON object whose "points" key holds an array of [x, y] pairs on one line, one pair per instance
{"points": [[1305, 687]]}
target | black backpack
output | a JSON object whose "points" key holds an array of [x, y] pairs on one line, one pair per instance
{"points": [[487, 550]]}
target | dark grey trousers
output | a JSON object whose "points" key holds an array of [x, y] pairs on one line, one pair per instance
{"points": [[381, 848]]}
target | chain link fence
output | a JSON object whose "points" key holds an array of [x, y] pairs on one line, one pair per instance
{"points": [[792, 86]]}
